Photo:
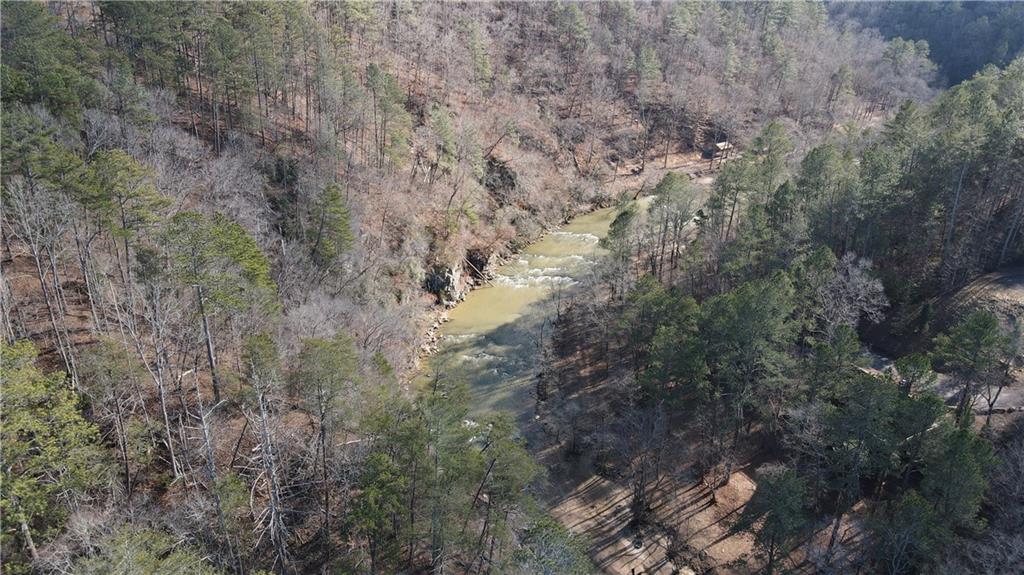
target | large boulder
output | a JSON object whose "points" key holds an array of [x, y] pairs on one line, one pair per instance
{"points": [[449, 283]]}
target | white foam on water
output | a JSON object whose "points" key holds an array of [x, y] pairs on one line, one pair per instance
{"points": [[533, 281], [587, 237], [539, 259], [553, 272], [459, 337], [479, 357], [553, 280]]}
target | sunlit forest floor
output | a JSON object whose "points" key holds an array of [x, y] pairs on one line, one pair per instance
{"points": [[691, 526]]}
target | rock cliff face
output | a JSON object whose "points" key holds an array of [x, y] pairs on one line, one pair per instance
{"points": [[481, 263], [449, 283]]}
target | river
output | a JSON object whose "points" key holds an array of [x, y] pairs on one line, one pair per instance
{"points": [[494, 339]]}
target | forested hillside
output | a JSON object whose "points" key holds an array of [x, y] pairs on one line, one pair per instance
{"points": [[736, 343], [228, 228], [963, 37]]}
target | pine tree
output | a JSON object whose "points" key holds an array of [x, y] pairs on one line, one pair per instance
{"points": [[140, 551], [482, 72], [219, 260], [52, 456], [776, 512], [330, 234], [970, 349], [954, 475], [374, 511], [45, 63], [121, 194], [324, 371], [909, 534], [392, 123], [860, 436], [748, 333], [110, 378]]}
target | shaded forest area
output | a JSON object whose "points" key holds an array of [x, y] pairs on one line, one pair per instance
{"points": [[717, 358], [226, 227], [962, 37]]}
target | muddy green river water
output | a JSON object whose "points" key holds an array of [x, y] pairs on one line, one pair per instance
{"points": [[495, 336]]}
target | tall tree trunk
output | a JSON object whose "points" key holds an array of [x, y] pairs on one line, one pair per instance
{"points": [[770, 568], [1011, 233], [62, 312], [211, 357], [58, 342], [412, 513], [29, 543], [211, 476], [83, 262], [951, 225], [833, 537], [161, 360], [278, 532], [325, 486], [476, 497]]}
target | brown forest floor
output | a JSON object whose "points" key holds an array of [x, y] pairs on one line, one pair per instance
{"points": [[690, 531], [688, 527]]}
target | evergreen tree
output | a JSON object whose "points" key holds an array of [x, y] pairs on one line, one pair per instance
{"points": [[140, 551], [915, 374], [376, 508], [331, 232], [52, 457], [110, 377], [671, 212], [970, 349], [776, 512], [219, 260], [43, 63], [482, 72], [909, 533], [770, 149], [748, 333], [324, 371], [954, 475], [551, 549], [860, 437], [391, 121], [121, 194]]}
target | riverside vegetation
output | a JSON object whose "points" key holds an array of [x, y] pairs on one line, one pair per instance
{"points": [[226, 227]]}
